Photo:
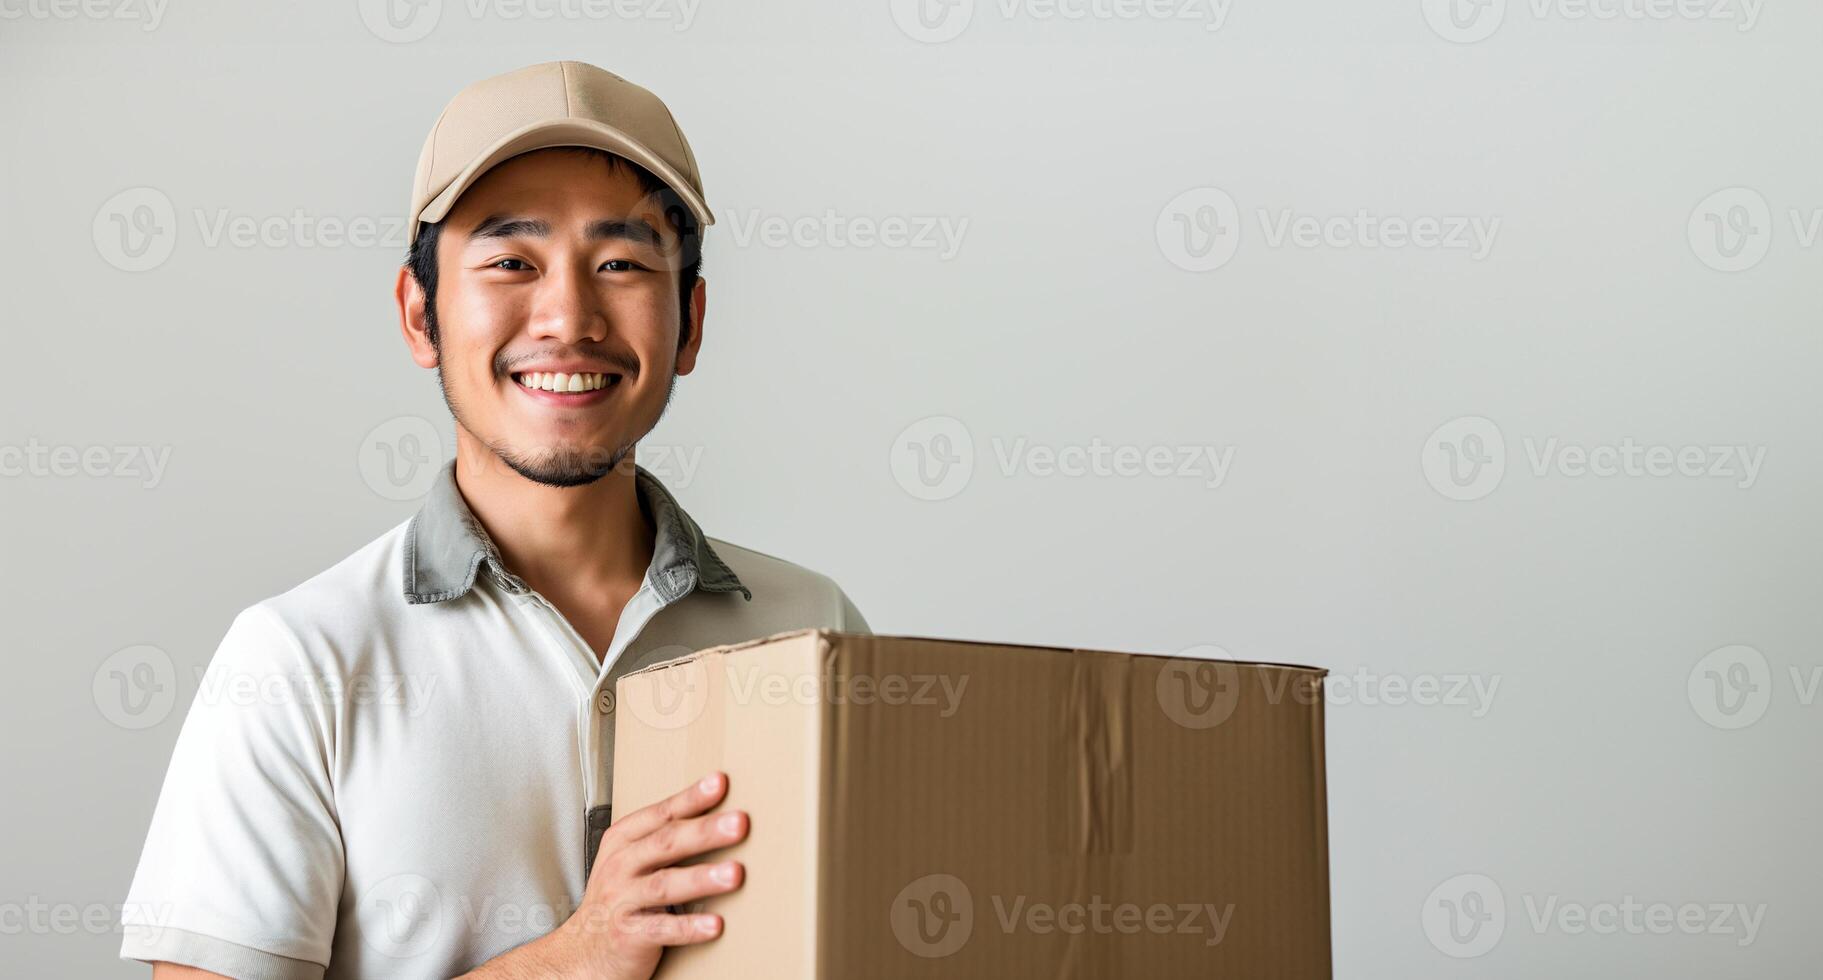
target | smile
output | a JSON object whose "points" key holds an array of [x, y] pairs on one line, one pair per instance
{"points": [[564, 383]]}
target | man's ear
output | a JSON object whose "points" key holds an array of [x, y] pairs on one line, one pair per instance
{"points": [[412, 320], [686, 355]]}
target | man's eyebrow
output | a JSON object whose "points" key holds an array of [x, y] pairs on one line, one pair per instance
{"points": [[636, 229], [509, 226]]}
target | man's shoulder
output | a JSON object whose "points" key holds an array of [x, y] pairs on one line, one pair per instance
{"points": [[779, 582], [757, 568], [358, 591]]}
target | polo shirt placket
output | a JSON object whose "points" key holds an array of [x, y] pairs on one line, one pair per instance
{"points": [[679, 552]]}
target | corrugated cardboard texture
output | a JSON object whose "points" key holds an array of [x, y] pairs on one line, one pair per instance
{"points": [[684, 722], [991, 811]]}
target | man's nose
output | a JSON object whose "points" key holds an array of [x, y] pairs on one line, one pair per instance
{"points": [[567, 307]]}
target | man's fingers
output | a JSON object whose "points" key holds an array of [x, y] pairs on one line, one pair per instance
{"points": [[683, 839], [664, 929], [696, 798], [681, 885], [634, 880]]}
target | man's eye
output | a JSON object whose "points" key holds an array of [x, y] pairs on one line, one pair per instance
{"points": [[511, 265], [619, 265]]}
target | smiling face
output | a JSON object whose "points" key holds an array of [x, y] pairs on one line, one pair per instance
{"points": [[557, 322]]}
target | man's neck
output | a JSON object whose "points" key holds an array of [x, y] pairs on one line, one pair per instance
{"points": [[590, 539]]}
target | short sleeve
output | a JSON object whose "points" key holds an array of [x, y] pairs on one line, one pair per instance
{"points": [[242, 868], [852, 620]]}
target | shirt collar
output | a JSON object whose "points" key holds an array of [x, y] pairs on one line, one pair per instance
{"points": [[446, 547]]}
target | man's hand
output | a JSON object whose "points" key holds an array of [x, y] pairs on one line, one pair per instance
{"points": [[622, 926]]}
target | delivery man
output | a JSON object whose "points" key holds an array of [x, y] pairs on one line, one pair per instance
{"points": [[403, 766]]}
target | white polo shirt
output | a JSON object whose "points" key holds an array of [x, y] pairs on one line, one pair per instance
{"points": [[401, 767]]}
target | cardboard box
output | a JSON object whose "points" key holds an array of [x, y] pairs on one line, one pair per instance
{"points": [[942, 808]]}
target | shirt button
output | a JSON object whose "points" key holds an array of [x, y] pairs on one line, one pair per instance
{"points": [[605, 701]]}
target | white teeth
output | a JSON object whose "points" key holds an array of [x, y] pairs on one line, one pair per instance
{"points": [[558, 381]]}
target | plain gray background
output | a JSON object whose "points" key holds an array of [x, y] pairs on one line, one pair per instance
{"points": [[1125, 190]]}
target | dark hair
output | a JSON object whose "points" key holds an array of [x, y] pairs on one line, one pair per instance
{"points": [[687, 258]]}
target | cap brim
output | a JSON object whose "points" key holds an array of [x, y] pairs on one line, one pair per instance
{"points": [[567, 132]]}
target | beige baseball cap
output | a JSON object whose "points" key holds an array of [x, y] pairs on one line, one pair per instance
{"points": [[558, 103]]}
